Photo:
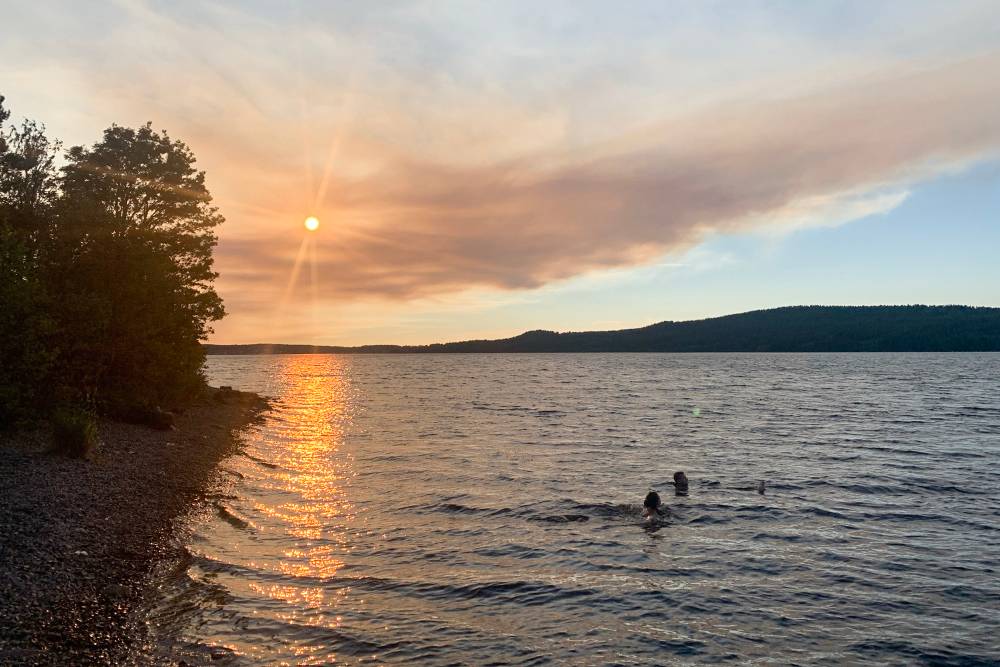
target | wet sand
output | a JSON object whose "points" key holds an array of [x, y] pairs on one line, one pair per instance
{"points": [[80, 540]]}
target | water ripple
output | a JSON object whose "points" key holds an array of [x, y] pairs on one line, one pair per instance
{"points": [[485, 509]]}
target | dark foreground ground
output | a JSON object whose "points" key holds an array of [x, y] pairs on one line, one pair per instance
{"points": [[80, 539]]}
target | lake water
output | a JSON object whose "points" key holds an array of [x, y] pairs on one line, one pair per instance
{"points": [[481, 510]]}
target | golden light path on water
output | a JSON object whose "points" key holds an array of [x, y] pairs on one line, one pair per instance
{"points": [[300, 516], [317, 476]]}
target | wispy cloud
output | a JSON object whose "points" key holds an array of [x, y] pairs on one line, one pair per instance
{"points": [[412, 229]]}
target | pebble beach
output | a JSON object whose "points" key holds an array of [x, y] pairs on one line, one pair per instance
{"points": [[81, 540]]}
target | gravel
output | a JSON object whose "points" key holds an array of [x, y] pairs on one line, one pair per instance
{"points": [[80, 539]]}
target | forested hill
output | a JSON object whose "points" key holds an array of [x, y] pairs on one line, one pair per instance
{"points": [[791, 329]]}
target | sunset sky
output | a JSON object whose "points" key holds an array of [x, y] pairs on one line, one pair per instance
{"points": [[479, 169]]}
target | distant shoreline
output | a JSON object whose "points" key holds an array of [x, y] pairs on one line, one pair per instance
{"points": [[79, 540], [790, 329]]}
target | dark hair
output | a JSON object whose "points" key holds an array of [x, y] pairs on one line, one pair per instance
{"points": [[652, 500], [679, 475]]}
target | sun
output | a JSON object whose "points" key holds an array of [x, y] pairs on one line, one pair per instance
{"points": [[312, 223]]}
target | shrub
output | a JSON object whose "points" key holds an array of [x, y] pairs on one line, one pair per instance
{"points": [[74, 432]]}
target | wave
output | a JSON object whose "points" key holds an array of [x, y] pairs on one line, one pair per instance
{"points": [[261, 462], [233, 519]]}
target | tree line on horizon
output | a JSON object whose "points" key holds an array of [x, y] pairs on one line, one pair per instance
{"points": [[106, 276], [913, 328]]}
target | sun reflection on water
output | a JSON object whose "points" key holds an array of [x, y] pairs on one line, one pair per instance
{"points": [[296, 480], [315, 472]]}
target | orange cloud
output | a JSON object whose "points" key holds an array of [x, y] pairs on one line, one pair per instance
{"points": [[404, 228]]}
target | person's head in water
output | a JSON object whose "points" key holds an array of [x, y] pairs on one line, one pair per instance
{"points": [[680, 481], [652, 501]]}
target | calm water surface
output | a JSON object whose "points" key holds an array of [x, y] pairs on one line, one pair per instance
{"points": [[481, 509]]}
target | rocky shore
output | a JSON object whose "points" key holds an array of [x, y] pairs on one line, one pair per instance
{"points": [[79, 539]]}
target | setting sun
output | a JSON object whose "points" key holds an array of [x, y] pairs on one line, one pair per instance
{"points": [[312, 223]]}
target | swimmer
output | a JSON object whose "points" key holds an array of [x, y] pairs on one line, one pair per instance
{"points": [[652, 505], [761, 487], [680, 483]]}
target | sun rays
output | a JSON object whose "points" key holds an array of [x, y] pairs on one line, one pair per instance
{"points": [[315, 194], [316, 189]]}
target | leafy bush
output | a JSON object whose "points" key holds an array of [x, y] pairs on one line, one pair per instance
{"points": [[74, 432]]}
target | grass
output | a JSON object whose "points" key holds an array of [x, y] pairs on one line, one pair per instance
{"points": [[74, 432]]}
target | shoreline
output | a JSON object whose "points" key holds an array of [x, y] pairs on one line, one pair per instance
{"points": [[81, 539]]}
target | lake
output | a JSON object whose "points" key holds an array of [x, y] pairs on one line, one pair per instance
{"points": [[484, 510]]}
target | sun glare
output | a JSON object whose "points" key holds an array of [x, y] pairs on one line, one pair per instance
{"points": [[312, 223]]}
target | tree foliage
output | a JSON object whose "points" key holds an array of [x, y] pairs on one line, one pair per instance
{"points": [[105, 270], [26, 325]]}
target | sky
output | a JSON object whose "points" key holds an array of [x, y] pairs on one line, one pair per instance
{"points": [[480, 169]]}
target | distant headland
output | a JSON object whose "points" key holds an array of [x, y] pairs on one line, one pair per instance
{"points": [[788, 329]]}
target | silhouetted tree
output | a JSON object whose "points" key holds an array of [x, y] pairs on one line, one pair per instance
{"points": [[135, 269], [105, 271], [27, 183], [27, 190]]}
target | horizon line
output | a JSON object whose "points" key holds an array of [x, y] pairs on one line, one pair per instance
{"points": [[632, 328]]}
